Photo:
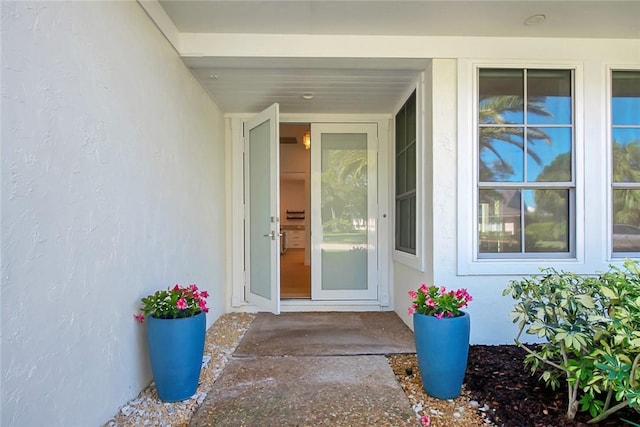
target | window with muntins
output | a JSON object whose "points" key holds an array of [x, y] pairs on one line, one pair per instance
{"points": [[405, 143], [525, 163], [625, 155]]}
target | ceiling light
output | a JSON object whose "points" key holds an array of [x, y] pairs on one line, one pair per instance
{"points": [[306, 140], [307, 95], [535, 19]]}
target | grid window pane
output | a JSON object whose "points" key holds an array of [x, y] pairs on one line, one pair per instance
{"points": [[626, 155], [549, 97], [499, 221], [501, 96], [501, 154], [401, 173], [411, 168], [625, 104], [401, 129], [411, 118], [546, 219], [550, 161], [404, 224], [626, 220]]}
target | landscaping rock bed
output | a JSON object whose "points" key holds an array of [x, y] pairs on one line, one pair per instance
{"points": [[502, 390]]}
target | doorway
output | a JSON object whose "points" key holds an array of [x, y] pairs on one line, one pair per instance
{"points": [[295, 204], [328, 230]]}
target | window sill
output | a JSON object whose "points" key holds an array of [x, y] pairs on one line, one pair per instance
{"points": [[410, 260]]}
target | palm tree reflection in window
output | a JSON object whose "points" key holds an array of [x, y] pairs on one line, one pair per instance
{"points": [[344, 211], [525, 145]]}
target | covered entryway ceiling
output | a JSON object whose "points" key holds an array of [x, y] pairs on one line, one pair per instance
{"points": [[338, 86], [359, 85]]}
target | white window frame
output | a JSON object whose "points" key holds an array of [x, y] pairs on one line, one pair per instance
{"points": [[469, 263], [613, 257], [415, 261]]}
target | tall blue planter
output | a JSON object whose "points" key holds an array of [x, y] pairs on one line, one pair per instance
{"points": [[176, 347], [442, 348]]}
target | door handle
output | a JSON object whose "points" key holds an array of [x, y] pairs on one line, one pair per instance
{"points": [[273, 235]]}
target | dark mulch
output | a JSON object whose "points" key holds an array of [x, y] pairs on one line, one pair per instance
{"points": [[496, 376]]}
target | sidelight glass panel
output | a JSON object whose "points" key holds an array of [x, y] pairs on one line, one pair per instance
{"points": [[344, 245], [260, 198]]}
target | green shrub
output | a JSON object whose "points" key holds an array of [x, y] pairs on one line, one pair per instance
{"points": [[591, 328]]}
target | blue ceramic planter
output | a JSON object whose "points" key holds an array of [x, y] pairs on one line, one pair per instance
{"points": [[442, 348], [176, 347]]}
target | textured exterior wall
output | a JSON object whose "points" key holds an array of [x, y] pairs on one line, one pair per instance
{"points": [[112, 187]]}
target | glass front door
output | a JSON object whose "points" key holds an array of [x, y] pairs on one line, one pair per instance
{"points": [[344, 210], [262, 225]]}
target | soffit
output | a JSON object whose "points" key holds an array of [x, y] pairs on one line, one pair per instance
{"points": [[339, 86], [366, 85], [576, 19]]}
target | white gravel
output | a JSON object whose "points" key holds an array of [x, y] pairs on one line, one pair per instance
{"points": [[148, 410]]}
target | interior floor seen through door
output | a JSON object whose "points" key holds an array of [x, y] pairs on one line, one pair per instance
{"points": [[295, 277]]}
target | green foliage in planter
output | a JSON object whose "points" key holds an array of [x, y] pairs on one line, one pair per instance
{"points": [[591, 327]]}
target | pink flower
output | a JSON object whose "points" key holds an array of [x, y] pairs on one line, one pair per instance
{"points": [[193, 287], [204, 294], [203, 304], [412, 309], [181, 304], [139, 317], [463, 296], [438, 301], [176, 287], [425, 420]]}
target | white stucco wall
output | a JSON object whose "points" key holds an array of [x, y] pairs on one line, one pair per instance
{"points": [[112, 187]]}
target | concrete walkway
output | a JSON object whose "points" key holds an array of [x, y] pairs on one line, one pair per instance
{"points": [[313, 369]]}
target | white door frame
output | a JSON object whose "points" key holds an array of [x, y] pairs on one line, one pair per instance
{"points": [[235, 211]]}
